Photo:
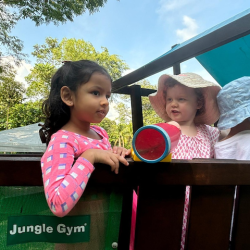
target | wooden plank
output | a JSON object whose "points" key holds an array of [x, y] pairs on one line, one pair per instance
{"points": [[210, 217], [127, 91], [159, 217], [241, 234], [161, 205], [26, 171], [192, 172], [32, 155], [20, 171], [125, 225], [178, 172]]}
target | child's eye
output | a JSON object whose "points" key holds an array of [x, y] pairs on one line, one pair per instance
{"points": [[181, 99], [97, 93], [169, 99], [107, 96]]}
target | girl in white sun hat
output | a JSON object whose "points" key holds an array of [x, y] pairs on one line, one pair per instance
{"points": [[234, 105], [190, 101]]}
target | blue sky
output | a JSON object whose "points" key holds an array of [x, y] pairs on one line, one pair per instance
{"points": [[138, 31]]}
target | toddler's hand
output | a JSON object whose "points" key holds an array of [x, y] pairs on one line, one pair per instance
{"points": [[121, 151], [105, 157], [176, 124]]}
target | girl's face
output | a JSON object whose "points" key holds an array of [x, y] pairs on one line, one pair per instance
{"points": [[181, 104], [90, 102]]}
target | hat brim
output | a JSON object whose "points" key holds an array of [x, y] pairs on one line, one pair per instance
{"points": [[210, 91], [233, 117]]}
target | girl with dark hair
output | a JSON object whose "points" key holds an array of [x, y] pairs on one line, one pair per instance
{"points": [[79, 96]]}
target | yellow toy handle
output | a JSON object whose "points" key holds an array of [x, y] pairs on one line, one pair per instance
{"points": [[133, 155], [168, 158]]}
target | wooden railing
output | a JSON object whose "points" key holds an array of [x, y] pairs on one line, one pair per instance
{"points": [[161, 199]]}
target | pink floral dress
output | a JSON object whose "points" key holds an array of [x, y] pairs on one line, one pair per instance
{"points": [[188, 148]]}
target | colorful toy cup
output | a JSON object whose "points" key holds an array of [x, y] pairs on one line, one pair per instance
{"points": [[153, 143]]}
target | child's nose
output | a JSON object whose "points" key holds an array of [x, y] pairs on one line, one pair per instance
{"points": [[104, 101], [174, 103]]}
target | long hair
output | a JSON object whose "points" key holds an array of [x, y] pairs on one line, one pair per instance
{"points": [[71, 74]]}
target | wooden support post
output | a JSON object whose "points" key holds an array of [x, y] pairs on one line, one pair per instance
{"points": [[177, 69], [136, 105], [177, 66]]}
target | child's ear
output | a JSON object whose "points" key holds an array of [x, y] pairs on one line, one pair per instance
{"points": [[67, 96], [199, 104]]}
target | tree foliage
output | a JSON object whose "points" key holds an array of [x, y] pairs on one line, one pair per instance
{"points": [[149, 115], [120, 134], [39, 80], [51, 54], [55, 11], [11, 45], [110, 127], [123, 135], [21, 114], [40, 12], [11, 93]]}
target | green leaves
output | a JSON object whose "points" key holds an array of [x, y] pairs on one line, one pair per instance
{"points": [[149, 115], [11, 45], [11, 91], [39, 80], [55, 11], [51, 54], [13, 112], [21, 114], [119, 134], [40, 12]]}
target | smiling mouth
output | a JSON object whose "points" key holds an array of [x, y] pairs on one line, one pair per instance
{"points": [[101, 112], [175, 111]]}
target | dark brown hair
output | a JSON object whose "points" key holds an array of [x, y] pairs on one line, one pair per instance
{"points": [[72, 74]]}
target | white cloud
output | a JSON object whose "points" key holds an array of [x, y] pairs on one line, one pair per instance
{"points": [[170, 5], [126, 72], [189, 31], [112, 114], [21, 71]]}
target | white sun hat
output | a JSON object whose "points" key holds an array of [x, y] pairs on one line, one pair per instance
{"points": [[234, 103]]}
